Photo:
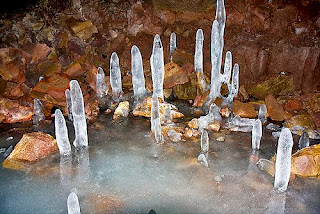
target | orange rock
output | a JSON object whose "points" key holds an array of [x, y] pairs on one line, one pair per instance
{"points": [[275, 109], [193, 123], [244, 109], [74, 70], [32, 147], [174, 75], [14, 112], [293, 105], [37, 51], [214, 126]]}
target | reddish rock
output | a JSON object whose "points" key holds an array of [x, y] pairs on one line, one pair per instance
{"points": [[91, 108], [13, 64], [314, 103], [293, 105], [193, 124], [275, 109], [174, 75], [13, 91], [14, 112], [37, 51], [74, 70], [52, 89], [32, 147], [49, 67], [316, 119], [244, 109], [303, 120], [82, 29]]}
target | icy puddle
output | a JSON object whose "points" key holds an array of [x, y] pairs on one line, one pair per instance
{"points": [[119, 174]]}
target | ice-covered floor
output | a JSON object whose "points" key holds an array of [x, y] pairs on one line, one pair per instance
{"points": [[119, 174]]}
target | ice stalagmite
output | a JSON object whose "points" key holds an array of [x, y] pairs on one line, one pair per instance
{"points": [[283, 161], [155, 119], [115, 77], [198, 61], [304, 140], [173, 42], [73, 204], [38, 112], [138, 81], [204, 142], [256, 134], [69, 105], [262, 113], [102, 89], [157, 67], [213, 115], [61, 132], [79, 117], [203, 160], [233, 87], [167, 118]]}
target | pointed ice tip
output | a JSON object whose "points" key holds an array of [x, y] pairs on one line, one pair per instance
{"points": [[114, 56], [199, 34], [229, 54], [100, 70], [157, 42], [73, 204], [73, 84], [134, 49]]}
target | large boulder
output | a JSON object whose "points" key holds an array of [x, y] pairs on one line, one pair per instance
{"points": [[275, 109], [174, 75], [12, 112], [244, 109], [32, 147]]}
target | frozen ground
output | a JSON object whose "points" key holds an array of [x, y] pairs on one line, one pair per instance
{"points": [[118, 174]]}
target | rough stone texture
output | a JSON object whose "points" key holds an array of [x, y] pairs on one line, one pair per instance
{"points": [[306, 162], [316, 119], [188, 90], [32, 147], [52, 89], [278, 85], [275, 109], [303, 120], [37, 51], [12, 112], [82, 29], [74, 70], [293, 105], [174, 75], [122, 110], [244, 109]]}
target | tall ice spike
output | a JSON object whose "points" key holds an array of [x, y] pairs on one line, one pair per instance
{"points": [[79, 117], [256, 134], [198, 61], [157, 67], [69, 104], [38, 111], [283, 161], [173, 43], [115, 77], [138, 81], [61, 132], [102, 89], [73, 204]]}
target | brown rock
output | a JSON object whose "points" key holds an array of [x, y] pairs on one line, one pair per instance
{"points": [[74, 70], [244, 109], [82, 29], [314, 103], [37, 51], [181, 57], [278, 85], [174, 75], [52, 89], [275, 109], [14, 112], [303, 120], [13, 63], [49, 67], [316, 119], [193, 123], [32, 147], [13, 91], [214, 126], [122, 110], [91, 108], [188, 90], [293, 105]]}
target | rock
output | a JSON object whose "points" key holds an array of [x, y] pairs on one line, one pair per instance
{"points": [[306, 162], [278, 85], [200, 100], [225, 111], [82, 29], [214, 126], [244, 109], [181, 57], [193, 124], [37, 51], [275, 109], [13, 91], [303, 120], [316, 119], [187, 91], [91, 108], [293, 105], [141, 20], [243, 94], [13, 62], [74, 70], [191, 133], [32, 147], [122, 110], [13, 112], [144, 109], [49, 67], [52, 89], [314, 103], [174, 75]]}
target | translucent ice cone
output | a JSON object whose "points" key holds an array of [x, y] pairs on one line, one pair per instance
{"points": [[61, 132]]}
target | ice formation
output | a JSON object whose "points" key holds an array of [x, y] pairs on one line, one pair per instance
{"points": [[155, 119], [102, 89], [8, 151], [213, 115], [233, 87], [73, 204], [115, 77], [283, 161], [173, 135], [273, 127], [204, 142], [61, 132], [69, 104], [266, 165], [256, 134], [198, 61], [203, 160], [79, 117], [241, 124], [304, 140], [38, 112], [262, 113], [173, 42], [167, 118], [157, 67], [138, 81]]}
